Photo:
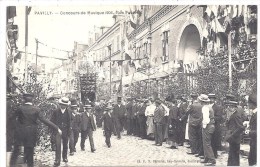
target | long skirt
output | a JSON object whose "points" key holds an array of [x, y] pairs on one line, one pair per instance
{"points": [[150, 125]]}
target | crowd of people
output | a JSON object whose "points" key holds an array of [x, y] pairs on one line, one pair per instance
{"points": [[176, 121]]}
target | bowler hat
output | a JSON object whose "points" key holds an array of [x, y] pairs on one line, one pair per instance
{"points": [[73, 103], [87, 106], [64, 101], [119, 98], [252, 98], [231, 103], [204, 98], [108, 108], [212, 96], [230, 97], [194, 95], [158, 101], [27, 95]]}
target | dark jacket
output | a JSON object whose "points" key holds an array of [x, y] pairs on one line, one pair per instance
{"points": [[86, 121], [182, 111], [27, 116], [234, 128], [218, 113], [253, 127], [129, 110], [159, 114], [195, 112], [142, 109], [119, 112], [173, 115], [75, 121], [108, 122], [56, 119]]}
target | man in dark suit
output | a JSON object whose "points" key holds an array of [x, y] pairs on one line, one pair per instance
{"points": [[195, 120], [234, 130], [182, 106], [252, 103], [87, 128], [119, 116], [218, 117], [62, 118], [75, 123], [108, 124], [142, 119], [158, 121], [26, 131], [129, 116]]}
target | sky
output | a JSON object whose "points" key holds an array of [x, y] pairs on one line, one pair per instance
{"points": [[59, 30]]}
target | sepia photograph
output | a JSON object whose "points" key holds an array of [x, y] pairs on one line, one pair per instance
{"points": [[131, 85]]}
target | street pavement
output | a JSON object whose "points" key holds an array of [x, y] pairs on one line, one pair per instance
{"points": [[129, 151]]}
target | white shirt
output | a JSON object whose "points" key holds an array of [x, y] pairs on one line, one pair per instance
{"points": [[254, 111], [149, 111], [63, 110], [166, 113], [205, 114]]}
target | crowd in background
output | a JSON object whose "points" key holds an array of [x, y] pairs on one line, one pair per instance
{"points": [[199, 122]]}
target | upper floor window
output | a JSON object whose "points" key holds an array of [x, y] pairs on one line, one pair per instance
{"points": [[165, 46]]}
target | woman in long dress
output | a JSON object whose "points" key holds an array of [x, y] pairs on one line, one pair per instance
{"points": [[149, 113]]}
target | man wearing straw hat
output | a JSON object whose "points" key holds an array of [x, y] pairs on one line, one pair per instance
{"points": [[208, 129], [87, 128], [62, 118]]}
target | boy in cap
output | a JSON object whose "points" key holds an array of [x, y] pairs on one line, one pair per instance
{"points": [[108, 124]]}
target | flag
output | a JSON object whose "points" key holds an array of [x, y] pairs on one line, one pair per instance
{"points": [[127, 57], [10, 12], [235, 11], [218, 26], [205, 31]]}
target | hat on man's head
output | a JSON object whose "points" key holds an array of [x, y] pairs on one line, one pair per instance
{"points": [[28, 95], [158, 101], [230, 97], [87, 106], [194, 95], [119, 99], [179, 97], [212, 96], [252, 98], [73, 103], [64, 101], [108, 108], [231, 103], [204, 98]]}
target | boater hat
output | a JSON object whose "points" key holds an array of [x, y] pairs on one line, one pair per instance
{"points": [[87, 106], [204, 98], [64, 101]]}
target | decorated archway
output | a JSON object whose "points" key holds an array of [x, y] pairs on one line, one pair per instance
{"points": [[189, 44]]}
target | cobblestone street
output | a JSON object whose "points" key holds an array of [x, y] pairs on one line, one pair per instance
{"points": [[130, 151]]}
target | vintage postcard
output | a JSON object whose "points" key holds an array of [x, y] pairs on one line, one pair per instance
{"points": [[110, 84]]}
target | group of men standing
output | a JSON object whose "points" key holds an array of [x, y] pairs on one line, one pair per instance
{"points": [[66, 124]]}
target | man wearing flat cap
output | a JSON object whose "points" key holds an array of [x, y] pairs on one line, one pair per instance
{"points": [[235, 128], [195, 120], [87, 128], [252, 103], [108, 124], [26, 132], [75, 123], [158, 121], [62, 118], [218, 117]]}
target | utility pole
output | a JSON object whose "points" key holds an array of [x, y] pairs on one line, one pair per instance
{"points": [[109, 50], [229, 63], [26, 44], [36, 56]]}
